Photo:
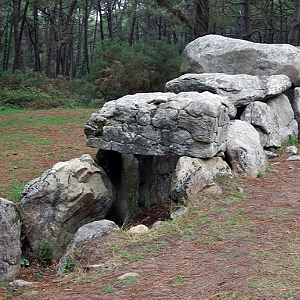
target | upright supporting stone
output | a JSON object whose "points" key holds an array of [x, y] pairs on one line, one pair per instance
{"points": [[10, 232], [296, 107]]}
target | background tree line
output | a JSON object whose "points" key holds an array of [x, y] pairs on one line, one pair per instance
{"points": [[113, 47]]}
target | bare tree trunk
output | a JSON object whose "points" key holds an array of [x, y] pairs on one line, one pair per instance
{"points": [[294, 33], [101, 21], [110, 19], [177, 12], [18, 33], [243, 24], [50, 48], [15, 22], [37, 61], [202, 18], [133, 24], [86, 48], [79, 47], [121, 19]]}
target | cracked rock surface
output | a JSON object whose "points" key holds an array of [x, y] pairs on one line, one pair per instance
{"points": [[190, 123], [64, 198]]}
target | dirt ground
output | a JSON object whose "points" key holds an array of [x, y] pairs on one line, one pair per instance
{"points": [[256, 258]]}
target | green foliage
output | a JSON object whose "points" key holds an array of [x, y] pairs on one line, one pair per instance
{"points": [[120, 69], [25, 262], [16, 190], [34, 90], [291, 141], [70, 265], [45, 253]]}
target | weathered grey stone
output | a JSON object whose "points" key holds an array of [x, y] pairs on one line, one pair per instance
{"points": [[288, 126], [157, 225], [139, 229], [291, 150], [213, 190], [274, 120], [296, 107], [189, 179], [240, 89], [192, 124], [218, 54], [128, 275], [244, 150], [179, 212], [293, 158], [265, 121], [83, 235], [216, 167], [270, 154], [192, 175], [19, 284], [10, 244], [64, 198]]}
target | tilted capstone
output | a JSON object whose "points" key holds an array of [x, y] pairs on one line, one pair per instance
{"points": [[189, 123]]}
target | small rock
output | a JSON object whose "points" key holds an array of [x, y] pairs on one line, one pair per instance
{"points": [[94, 267], [293, 158], [270, 154], [157, 224], [213, 190], [293, 150], [273, 171], [178, 213], [128, 275], [18, 284], [30, 294], [138, 229], [241, 190]]}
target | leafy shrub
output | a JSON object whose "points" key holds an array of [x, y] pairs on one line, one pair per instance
{"points": [[120, 69], [46, 253], [34, 90]]}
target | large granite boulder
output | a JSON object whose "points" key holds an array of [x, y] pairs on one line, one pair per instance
{"points": [[192, 124], [10, 243], [244, 150], [274, 120], [64, 198], [218, 54], [83, 235], [288, 126], [296, 107], [192, 175], [265, 121], [240, 89]]}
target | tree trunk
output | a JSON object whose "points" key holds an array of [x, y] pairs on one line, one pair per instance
{"points": [[133, 23], [121, 19], [178, 12], [18, 33], [86, 48], [110, 19], [243, 24], [50, 47], [294, 32], [202, 18], [37, 61], [101, 21]]}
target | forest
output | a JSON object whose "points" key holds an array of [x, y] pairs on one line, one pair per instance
{"points": [[58, 52]]}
